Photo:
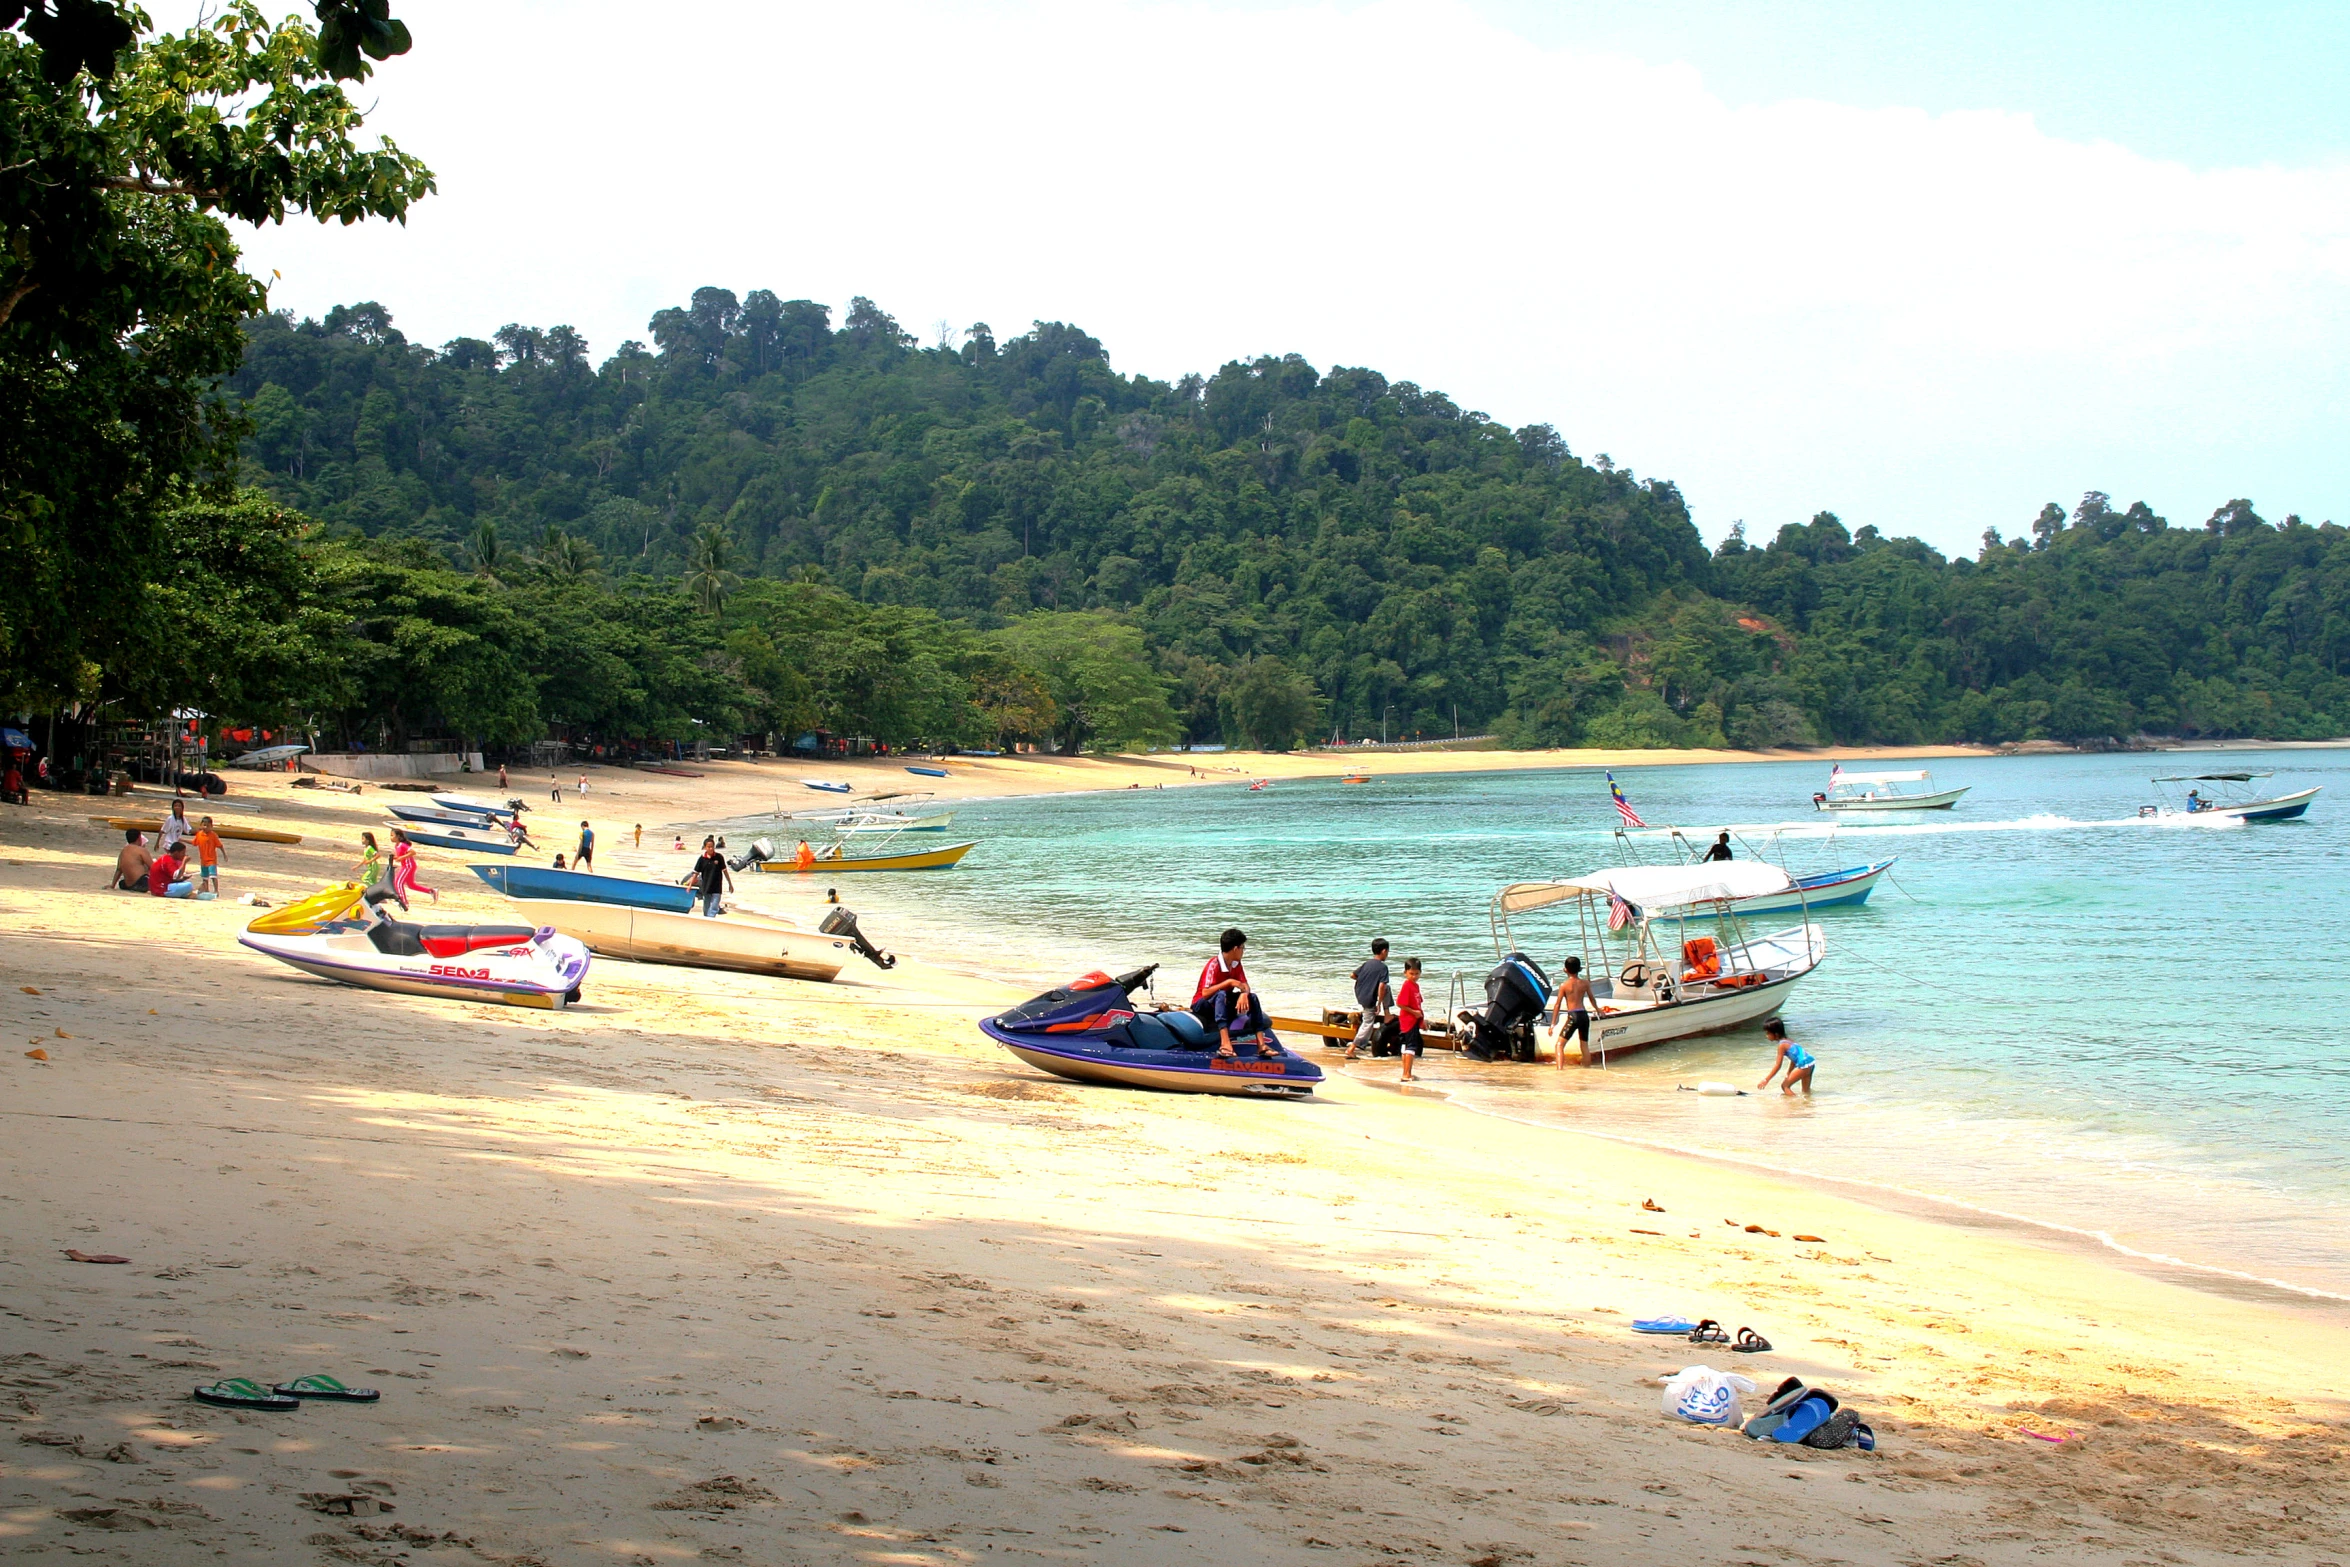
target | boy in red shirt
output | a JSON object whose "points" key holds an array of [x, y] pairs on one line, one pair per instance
{"points": [[1408, 1015], [1223, 971]]}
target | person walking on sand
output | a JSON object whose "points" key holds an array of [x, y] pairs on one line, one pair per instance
{"points": [[1409, 1014], [583, 784], [640, 835], [1797, 1060], [1373, 996], [555, 790], [501, 778], [585, 859], [207, 844], [1572, 1002], [711, 878]]}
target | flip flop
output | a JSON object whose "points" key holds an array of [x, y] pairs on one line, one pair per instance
{"points": [[1760, 1426], [244, 1393], [1806, 1417], [1835, 1431], [1786, 1396], [1676, 1326], [326, 1387], [1709, 1332], [1749, 1342]]}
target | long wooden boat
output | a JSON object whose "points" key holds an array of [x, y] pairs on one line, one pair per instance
{"points": [[537, 881], [737, 939], [831, 862], [244, 834]]}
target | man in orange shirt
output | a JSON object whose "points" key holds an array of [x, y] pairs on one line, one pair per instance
{"points": [[207, 859]]}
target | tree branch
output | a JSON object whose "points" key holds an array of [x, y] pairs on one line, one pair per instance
{"points": [[8, 302]]}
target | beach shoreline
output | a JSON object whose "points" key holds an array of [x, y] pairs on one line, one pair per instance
{"points": [[907, 1297]]}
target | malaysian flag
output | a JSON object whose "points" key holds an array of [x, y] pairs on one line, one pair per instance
{"points": [[1619, 913], [1623, 806]]}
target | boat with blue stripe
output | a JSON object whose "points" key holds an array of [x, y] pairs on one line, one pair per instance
{"points": [[536, 881]]}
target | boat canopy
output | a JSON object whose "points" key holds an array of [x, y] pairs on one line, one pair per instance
{"points": [[2216, 778], [1651, 888], [1882, 778]]}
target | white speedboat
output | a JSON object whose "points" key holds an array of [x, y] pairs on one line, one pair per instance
{"points": [[326, 935], [1681, 962], [736, 939], [2219, 797], [1884, 792]]}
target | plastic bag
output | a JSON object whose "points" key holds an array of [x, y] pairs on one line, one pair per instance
{"points": [[1705, 1396]]}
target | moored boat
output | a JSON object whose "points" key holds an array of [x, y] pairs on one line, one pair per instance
{"points": [[824, 786], [443, 816], [830, 860], [327, 935], [229, 830], [442, 835], [1685, 964], [1090, 1031], [2234, 797], [1884, 792]]}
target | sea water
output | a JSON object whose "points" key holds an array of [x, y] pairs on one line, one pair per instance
{"points": [[2133, 1030]]}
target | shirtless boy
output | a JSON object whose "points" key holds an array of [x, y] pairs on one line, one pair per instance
{"points": [[130, 865], [1573, 1004]]}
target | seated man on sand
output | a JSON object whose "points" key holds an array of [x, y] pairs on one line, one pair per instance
{"points": [[130, 865], [1241, 1021], [166, 874]]}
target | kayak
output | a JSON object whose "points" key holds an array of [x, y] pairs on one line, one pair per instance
{"points": [[243, 834]]}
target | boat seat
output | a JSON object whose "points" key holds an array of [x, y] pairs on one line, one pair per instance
{"points": [[393, 938]]}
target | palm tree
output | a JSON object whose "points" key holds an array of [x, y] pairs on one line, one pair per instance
{"points": [[481, 550], [566, 556], [709, 569]]}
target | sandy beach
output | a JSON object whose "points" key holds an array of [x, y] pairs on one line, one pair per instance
{"points": [[723, 1268]]}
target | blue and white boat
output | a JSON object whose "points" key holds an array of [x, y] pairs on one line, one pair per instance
{"points": [[483, 839], [1847, 888], [2220, 797], [1090, 1031], [442, 816], [468, 805], [540, 882]]}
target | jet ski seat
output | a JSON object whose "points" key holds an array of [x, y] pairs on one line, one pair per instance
{"points": [[396, 939], [1190, 1033]]}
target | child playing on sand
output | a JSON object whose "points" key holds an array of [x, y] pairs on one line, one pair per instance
{"points": [[1797, 1060], [1408, 1015], [207, 844]]}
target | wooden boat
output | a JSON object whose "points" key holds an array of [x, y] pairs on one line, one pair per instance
{"points": [[737, 939], [831, 861], [1685, 964], [1884, 792], [2236, 799], [241, 834], [537, 881]]}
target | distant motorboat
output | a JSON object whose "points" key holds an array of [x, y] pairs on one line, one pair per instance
{"points": [[2237, 799], [824, 786], [1848, 887], [1884, 792]]}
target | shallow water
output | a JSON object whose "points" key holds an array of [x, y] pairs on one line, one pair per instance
{"points": [[2054, 1009]]}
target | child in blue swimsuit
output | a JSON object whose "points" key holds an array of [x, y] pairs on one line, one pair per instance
{"points": [[1797, 1060]]}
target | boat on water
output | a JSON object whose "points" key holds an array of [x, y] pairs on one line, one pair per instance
{"points": [[535, 881], [479, 840], [737, 939], [1091, 1031], [891, 821], [874, 814], [1260, 786], [1884, 792], [328, 934], [832, 859], [1356, 778], [1846, 887], [1663, 947], [2228, 796]]}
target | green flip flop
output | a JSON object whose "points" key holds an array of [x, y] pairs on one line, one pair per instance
{"points": [[326, 1387], [244, 1393]]}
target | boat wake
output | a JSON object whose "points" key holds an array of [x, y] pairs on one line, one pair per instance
{"points": [[2043, 822]]}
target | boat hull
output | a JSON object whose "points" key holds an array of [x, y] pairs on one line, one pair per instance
{"points": [[742, 942], [466, 838], [938, 823], [938, 859], [2284, 808], [537, 881], [548, 979], [1941, 800], [233, 833], [446, 816], [1827, 890]]}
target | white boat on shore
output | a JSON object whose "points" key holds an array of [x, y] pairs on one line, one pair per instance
{"points": [[1884, 792], [736, 939], [1683, 963]]}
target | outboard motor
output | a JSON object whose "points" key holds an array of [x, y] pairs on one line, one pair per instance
{"points": [[1516, 993], [760, 849], [843, 922]]}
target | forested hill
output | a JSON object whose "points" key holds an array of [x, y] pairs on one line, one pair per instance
{"points": [[1359, 554]]}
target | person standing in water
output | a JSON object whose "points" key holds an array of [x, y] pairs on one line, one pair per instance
{"points": [[1797, 1060], [1573, 1001]]}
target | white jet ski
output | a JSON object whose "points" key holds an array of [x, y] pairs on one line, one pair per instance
{"points": [[517, 965]]}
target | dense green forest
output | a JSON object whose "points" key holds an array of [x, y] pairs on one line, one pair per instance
{"points": [[1296, 554]]}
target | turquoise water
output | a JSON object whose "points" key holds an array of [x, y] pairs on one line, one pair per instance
{"points": [[2058, 1011]]}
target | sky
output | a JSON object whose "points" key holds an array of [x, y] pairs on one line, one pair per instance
{"points": [[1925, 267]]}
